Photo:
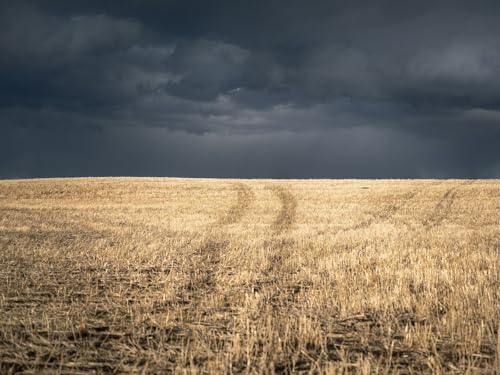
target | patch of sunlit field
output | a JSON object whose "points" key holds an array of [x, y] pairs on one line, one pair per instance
{"points": [[160, 275]]}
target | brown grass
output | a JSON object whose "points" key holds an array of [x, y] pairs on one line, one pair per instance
{"points": [[114, 275]]}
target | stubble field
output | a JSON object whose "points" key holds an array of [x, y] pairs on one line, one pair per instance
{"points": [[159, 275]]}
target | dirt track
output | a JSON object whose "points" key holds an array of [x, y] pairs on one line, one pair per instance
{"points": [[288, 211], [398, 203], [201, 283], [443, 206], [244, 198], [205, 259]]}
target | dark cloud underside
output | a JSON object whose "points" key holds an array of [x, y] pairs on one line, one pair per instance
{"points": [[239, 88]]}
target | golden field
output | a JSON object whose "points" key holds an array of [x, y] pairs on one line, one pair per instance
{"points": [[161, 275]]}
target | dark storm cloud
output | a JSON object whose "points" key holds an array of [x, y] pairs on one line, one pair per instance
{"points": [[427, 71]]}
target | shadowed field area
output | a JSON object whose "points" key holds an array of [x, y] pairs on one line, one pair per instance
{"points": [[155, 275]]}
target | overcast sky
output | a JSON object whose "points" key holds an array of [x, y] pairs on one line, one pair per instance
{"points": [[240, 88]]}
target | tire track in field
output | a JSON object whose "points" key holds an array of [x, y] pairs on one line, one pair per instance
{"points": [[389, 211], [386, 213], [203, 267], [443, 207], [206, 258], [288, 211], [235, 213], [280, 247]]}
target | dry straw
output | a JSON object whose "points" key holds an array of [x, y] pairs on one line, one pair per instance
{"points": [[260, 276]]}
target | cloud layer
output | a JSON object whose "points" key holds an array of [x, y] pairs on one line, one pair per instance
{"points": [[423, 75]]}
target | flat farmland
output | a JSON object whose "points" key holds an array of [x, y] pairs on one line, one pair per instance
{"points": [[166, 275]]}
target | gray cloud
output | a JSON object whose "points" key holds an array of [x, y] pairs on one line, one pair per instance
{"points": [[342, 153], [206, 68], [32, 38], [428, 74]]}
